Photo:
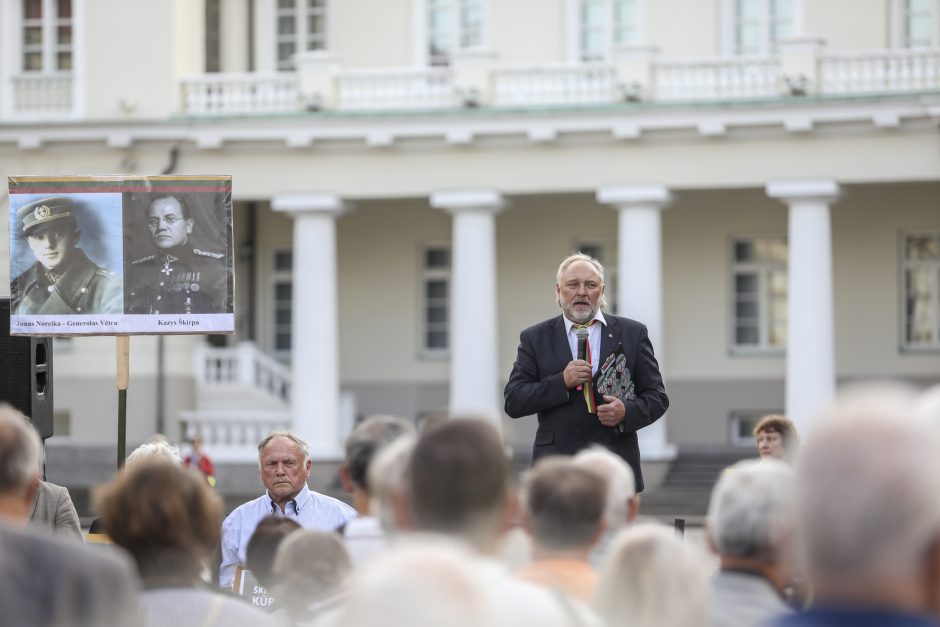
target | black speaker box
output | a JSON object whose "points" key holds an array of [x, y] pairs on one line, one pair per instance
{"points": [[26, 373]]}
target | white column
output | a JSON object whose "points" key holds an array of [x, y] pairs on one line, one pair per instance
{"points": [[640, 280], [474, 362], [315, 321], [810, 344]]}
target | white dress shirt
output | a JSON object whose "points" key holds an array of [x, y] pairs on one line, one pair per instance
{"points": [[594, 339]]}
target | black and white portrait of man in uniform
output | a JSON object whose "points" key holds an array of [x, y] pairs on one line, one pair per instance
{"points": [[61, 278], [176, 269]]}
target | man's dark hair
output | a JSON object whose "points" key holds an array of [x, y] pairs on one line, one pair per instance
{"points": [[366, 440], [565, 503], [262, 547], [187, 214], [459, 480]]}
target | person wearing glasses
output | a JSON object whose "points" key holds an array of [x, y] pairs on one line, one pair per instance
{"points": [[177, 278]]}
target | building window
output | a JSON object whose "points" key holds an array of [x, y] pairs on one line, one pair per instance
{"points": [[47, 36], [756, 25], [919, 23], [213, 35], [603, 24], [453, 25], [921, 290], [759, 280], [282, 285], [435, 297], [606, 253], [301, 26]]}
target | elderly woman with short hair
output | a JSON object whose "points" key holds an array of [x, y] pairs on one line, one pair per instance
{"points": [[168, 519], [776, 438]]}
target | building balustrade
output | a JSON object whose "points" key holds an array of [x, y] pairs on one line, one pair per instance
{"points": [[42, 96], [699, 80]]}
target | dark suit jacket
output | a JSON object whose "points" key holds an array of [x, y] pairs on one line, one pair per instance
{"points": [[537, 386]]}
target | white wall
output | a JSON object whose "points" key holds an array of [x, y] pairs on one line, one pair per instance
{"points": [[366, 33], [137, 51]]}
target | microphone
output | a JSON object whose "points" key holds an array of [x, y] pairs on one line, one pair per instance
{"points": [[582, 343]]}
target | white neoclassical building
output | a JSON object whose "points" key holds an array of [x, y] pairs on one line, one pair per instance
{"points": [[761, 179]]}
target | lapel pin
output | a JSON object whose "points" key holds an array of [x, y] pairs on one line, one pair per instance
{"points": [[610, 335]]}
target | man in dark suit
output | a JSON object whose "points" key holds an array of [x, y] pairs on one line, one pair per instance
{"points": [[548, 379]]}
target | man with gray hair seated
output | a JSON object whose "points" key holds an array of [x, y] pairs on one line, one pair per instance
{"points": [[364, 536], [284, 461], [750, 525], [868, 502], [623, 503], [47, 581]]}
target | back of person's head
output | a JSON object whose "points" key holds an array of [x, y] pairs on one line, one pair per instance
{"points": [[868, 491], [420, 583], [564, 505], [268, 535], [20, 450], [165, 516], [366, 440], [621, 484], [388, 478], [459, 481], [155, 449], [652, 579], [309, 566], [750, 515]]}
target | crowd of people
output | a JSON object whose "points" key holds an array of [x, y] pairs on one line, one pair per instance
{"points": [[841, 528]]}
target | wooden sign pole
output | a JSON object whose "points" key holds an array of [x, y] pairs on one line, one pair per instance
{"points": [[123, 375]]}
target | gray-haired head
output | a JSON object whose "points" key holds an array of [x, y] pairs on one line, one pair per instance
{"points": [[309, 567], [651, 578], [388, 478], [598, 269], [366, 440], [868, 490], [153, 451], [621, 486], [20, 451], [283, 433], [750, 514]]}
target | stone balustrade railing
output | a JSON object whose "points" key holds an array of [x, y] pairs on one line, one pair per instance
{"points": [[880, 71], [42, 96], [244, 365], [554, 85]]}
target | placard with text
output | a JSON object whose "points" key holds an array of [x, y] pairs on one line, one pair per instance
{"points": [[115, 255]]}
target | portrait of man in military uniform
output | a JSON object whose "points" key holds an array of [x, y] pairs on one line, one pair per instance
{"points": [[174, 274], [63, 280]]}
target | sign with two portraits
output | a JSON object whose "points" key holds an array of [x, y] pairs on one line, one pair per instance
{"points": [[118, 255]]}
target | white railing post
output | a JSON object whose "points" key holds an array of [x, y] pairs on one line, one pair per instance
{"points": [[473, 70], [245, 364], [635, 65], [316, 74], [799, 64]]}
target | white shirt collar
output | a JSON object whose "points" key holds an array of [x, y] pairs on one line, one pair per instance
{"points": [[599, 316]]}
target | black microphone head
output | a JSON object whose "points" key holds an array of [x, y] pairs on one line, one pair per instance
{"points": [[582, 334]]}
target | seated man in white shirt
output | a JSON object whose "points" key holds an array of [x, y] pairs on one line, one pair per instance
{"points": [[285, 464]]}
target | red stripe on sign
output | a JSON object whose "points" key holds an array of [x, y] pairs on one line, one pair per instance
{"points": [[104, 190]]}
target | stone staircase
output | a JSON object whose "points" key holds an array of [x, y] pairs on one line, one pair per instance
{"points": [[685, 491]]}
